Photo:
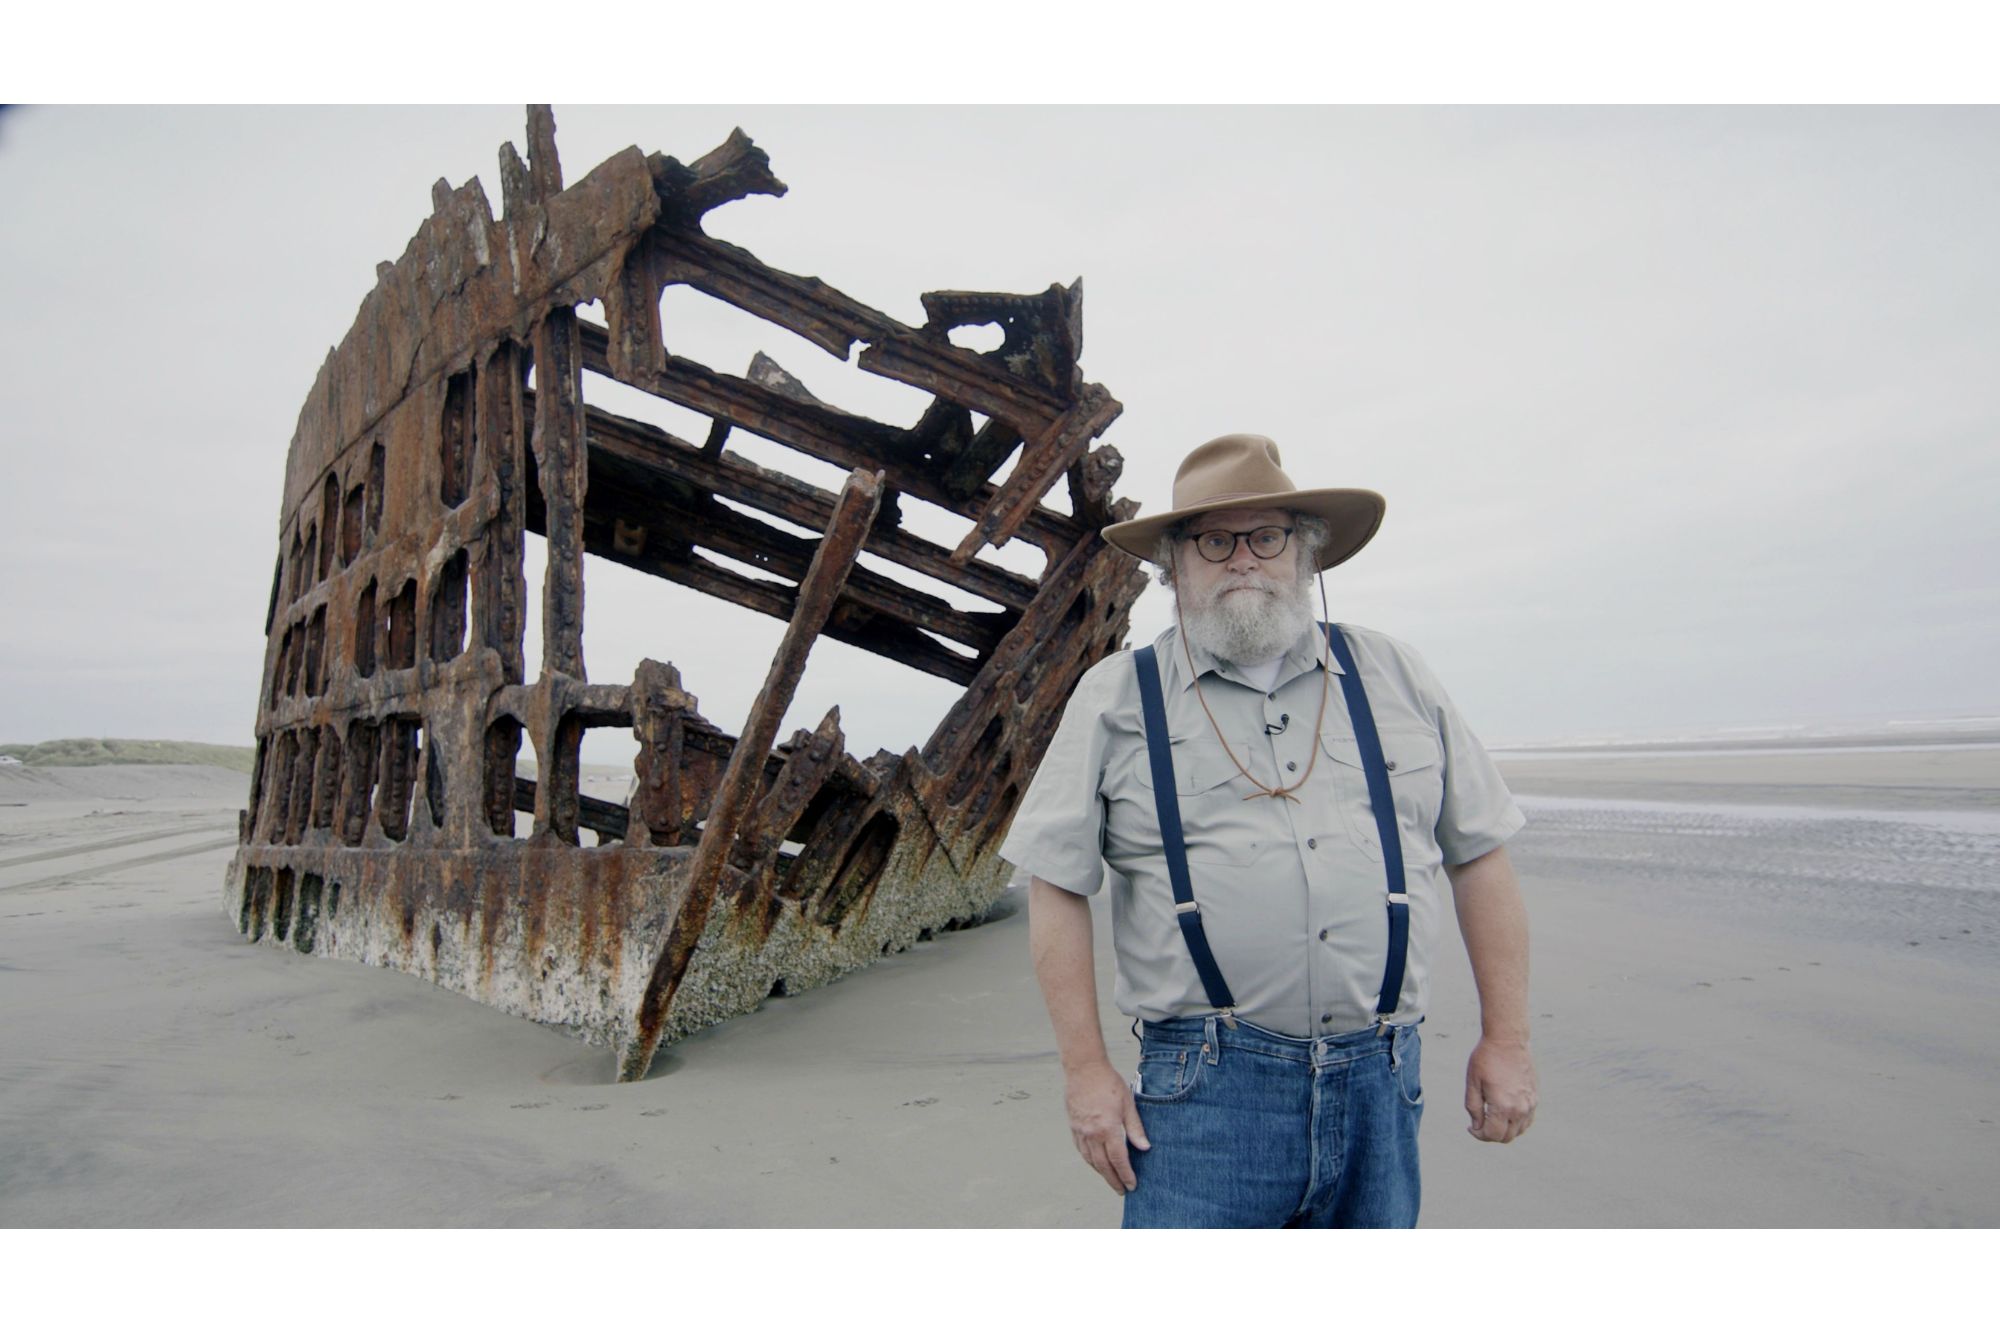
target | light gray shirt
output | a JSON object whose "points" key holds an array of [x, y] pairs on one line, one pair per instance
{"points": [[1292, 894]]}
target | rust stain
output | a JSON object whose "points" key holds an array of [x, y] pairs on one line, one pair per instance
{"points": [[396, 698]]}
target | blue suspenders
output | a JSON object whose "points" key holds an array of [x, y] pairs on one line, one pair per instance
{"points": [[1384, 803], [1174, 842], [1170, 830]]}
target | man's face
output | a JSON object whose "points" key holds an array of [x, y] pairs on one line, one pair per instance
{"points": [[1204, 584], [1247, 608]]}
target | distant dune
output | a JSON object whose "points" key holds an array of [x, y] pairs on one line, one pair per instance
{"points": [[149, 784], [85, 753]]}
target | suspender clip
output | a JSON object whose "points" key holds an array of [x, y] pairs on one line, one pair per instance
{"points": [[1399, 898], [1188, 906], [1228, 1018]]}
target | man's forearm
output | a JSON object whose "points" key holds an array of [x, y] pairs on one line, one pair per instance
{"points": [[1500, 1095], [1494, 922], [1102, 1118], [1059, 937]]}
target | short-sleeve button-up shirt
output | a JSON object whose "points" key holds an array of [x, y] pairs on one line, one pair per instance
{"points": [[1292, 893]]}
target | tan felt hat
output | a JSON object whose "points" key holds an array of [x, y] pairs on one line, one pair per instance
{"points": [[1242, 472]]}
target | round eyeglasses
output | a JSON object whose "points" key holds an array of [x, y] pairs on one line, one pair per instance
{"points": [[1218, 544]]}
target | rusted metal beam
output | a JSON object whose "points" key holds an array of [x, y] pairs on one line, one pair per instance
{"points": [[823, 432], [813, 759], [660, 708], [736, 170], [859, 500], [826, 433], [856, 625], [499, 607], [735, 478], [638, 500], [607, 819], [1090, 481], [1042, 461], [809, 308], [562, 474]]}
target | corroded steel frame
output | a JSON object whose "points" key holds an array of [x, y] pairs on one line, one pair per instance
{"points": [[395, 694]]}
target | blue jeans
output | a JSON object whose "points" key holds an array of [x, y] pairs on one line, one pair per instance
{"points": [[1254, 1129]]}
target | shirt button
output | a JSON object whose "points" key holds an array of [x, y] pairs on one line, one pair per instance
{"points": [[1284, 719], [1322, 934], [1326, 1018], [1391, 765], [1291, 766], [1273, 696], [1312, 842]]}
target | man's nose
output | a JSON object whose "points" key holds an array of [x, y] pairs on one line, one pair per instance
{"points": [[1241, 557]]}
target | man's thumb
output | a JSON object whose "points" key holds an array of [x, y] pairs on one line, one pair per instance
{"points": [[1135, 1130]]}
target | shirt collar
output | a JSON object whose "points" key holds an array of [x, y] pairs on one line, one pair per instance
{"points": [[1307, 651]]}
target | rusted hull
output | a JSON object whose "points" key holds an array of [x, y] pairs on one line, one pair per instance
{"points": [[567, 936], [397, 698]]}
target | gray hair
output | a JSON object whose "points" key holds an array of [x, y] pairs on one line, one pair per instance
{"points": [[1310, 534]]}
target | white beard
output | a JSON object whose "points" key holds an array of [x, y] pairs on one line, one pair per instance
{"points": [[1249, 626]]}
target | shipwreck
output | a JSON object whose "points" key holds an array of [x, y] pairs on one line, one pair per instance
{"points": [[395, 702]]}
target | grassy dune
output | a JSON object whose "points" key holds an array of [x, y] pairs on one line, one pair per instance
{"points": [[85, 753]]}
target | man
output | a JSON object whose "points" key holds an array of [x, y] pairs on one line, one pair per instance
{"points": [[1273, 942]]}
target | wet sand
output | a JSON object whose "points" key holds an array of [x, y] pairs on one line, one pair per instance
{"points": [[1763, 996], [1958, 777]]}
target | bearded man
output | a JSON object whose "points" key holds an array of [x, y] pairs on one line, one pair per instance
{"points": [[1278, 808]]}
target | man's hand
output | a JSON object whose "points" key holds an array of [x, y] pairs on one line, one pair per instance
{"points": [[1101, 1117], [1101, 1114], [1500, 1091]]}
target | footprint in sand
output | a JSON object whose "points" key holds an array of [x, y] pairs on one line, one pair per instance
{"points": [[527, 1106], [922, 1101]]}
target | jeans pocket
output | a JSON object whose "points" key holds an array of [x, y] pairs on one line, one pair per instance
{"points": [[1409, 1069], [1167, 1074]]}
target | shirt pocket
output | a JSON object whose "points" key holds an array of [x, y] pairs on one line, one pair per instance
{"points": [[1416, 784], [1209, 791]]}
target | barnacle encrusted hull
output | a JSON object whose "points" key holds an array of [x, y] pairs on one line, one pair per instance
{"points": [[396, 698]]}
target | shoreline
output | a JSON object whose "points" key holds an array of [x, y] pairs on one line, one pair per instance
{"points": [[1899, 779]]}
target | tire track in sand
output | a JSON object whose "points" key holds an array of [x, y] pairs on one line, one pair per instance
{"points": [[85, 848], [121, 865]]}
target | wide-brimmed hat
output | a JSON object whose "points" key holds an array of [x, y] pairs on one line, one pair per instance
{"points": [[1242, 472]]}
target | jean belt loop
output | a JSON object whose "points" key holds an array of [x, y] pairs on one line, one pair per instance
{"points": [[1211, 1042]]}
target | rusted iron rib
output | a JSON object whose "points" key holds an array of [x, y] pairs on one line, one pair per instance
{"points": [[735, 478], [859, 500]]}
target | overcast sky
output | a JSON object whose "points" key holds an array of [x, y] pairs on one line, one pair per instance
{"points": [[1686, 418]]}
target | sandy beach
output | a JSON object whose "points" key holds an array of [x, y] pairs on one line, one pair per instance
{"points": [[1763, 996]]}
